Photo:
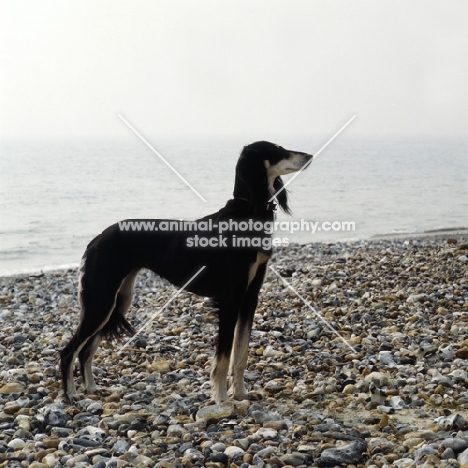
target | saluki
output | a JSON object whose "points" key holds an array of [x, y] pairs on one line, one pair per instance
{"points": [[233, 273]]}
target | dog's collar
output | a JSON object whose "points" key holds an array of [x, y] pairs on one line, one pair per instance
{"points": [[270, 206]]}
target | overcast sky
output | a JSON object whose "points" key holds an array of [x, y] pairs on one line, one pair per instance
{"points": [[225, 68]]}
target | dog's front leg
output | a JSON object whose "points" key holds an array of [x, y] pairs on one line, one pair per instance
{"points": [[240, 354], [219, 378], [240, 351], [228, 314]]}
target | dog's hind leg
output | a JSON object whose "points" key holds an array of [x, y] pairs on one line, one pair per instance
{"points": [[86, 330], [85, 358], [115, 325], [242, 335], [98, 297]]}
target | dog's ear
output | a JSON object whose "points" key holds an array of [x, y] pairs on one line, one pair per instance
{"points": [[282, 196], [251, 180]]}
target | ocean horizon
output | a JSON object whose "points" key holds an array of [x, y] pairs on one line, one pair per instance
{"points": [[56, 195]]}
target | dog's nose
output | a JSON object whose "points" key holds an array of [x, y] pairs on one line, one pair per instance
{"points": [[308, 157], [307, 160]]}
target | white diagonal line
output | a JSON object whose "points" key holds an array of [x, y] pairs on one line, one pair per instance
{"points": [[161, 309], [307, 303], [314, 157], [162, 159]]}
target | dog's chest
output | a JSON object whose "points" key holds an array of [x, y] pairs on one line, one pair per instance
{"points": [[261, 258]]}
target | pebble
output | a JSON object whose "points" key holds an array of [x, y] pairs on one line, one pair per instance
{"points": [[276, 425], [234, 452], [294, 459], [452, 422], [380, 379], [455, 443], [266, 433], [349, 389], [463, 458], [50, 460], [16, 444], [350, 453], [51, 442], [397, 403], [176, 430], [260, 417], [398, 397], [11, 387], [214, 413]]}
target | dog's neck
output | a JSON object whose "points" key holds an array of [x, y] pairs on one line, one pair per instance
{"points": [[260, 205]]}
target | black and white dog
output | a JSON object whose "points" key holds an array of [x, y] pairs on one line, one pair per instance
{"points": [[233, 274]]}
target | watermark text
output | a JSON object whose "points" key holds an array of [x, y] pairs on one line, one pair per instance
{"points": [[231, 226]]}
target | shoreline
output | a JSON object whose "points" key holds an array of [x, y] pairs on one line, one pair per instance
{"points": [[438, 234]]}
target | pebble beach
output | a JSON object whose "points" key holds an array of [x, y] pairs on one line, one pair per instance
{"points": [[358, 358]]}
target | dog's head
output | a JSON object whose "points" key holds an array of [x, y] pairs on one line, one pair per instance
{"points": [[260, 168]]}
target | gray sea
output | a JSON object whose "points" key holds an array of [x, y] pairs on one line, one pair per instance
{"points": [[55, 196]]}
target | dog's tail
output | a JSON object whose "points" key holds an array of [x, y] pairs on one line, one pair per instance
{"points": [[116, 326], [106, 286]]}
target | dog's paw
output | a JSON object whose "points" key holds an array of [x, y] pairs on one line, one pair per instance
{"points": [[70, 398]]}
